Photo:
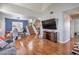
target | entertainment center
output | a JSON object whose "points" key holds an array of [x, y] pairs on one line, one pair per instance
{"points": [[50, 29]]}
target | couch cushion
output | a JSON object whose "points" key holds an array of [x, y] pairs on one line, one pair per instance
{"points": [[10, 51], [3, 44], [12, 44], [2, 38]]}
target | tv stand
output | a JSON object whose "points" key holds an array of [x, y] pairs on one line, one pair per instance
{"points": [[50, 35]]}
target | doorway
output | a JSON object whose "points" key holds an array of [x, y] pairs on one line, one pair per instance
{"points": [[75, 27]]}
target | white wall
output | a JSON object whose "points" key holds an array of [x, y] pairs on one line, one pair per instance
{"points": [[2, 25], [66, 28], [59, 10], [76, 25], [72, 28]]}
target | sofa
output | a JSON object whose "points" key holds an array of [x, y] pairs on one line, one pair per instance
{"points": [[9, 49]]}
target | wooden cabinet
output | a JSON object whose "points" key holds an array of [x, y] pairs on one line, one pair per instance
{"points": [[51, 36]]}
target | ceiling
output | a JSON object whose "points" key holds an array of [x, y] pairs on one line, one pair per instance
{"points": [[38, 7], [73, 12], [25, 9]]}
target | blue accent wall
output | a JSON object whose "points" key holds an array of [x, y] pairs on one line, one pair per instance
{"points": [[8, 23]]}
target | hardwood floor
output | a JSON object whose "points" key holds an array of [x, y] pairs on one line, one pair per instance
{"points": [[32, 45]]}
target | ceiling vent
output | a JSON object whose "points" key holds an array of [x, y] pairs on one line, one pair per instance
{"points": [[51, 12]]}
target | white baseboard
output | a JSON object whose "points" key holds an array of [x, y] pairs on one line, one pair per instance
{"points": [[64, 41]]}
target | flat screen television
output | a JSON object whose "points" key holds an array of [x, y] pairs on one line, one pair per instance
{"points": [[49, 24]]}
